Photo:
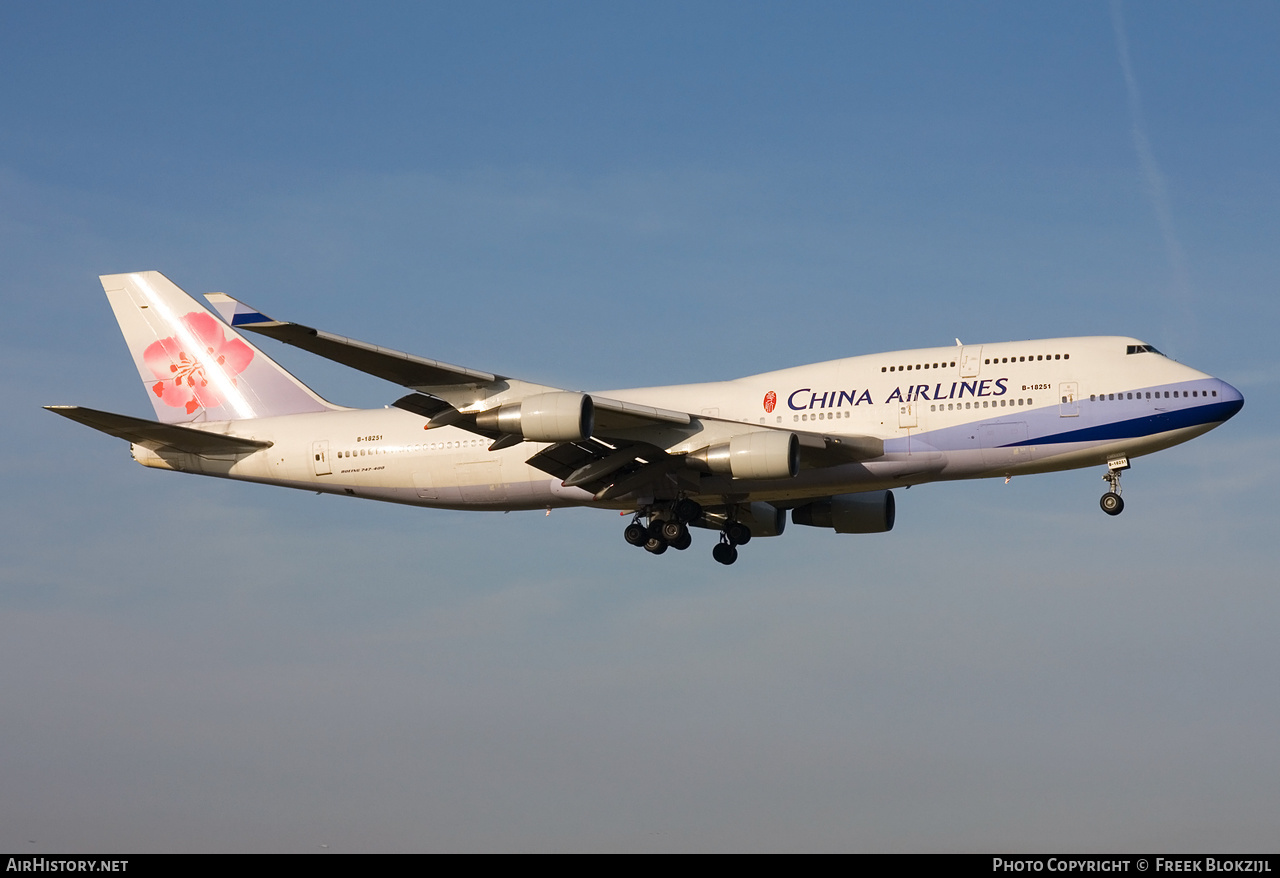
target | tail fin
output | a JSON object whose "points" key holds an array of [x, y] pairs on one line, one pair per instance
{"points": [[193, 366]]}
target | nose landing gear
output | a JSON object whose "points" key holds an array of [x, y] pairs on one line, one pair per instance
{"points": [[1112, 503]]}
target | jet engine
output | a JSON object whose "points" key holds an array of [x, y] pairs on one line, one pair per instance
{"points": [[764, 454], [545, 417], [868, 513]]}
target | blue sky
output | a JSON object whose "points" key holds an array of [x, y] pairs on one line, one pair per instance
{"points": [[601, 197]]}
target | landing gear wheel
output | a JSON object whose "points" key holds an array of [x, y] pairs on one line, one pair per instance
{"points": [[684, 542], [687, 510], [656, 545], [739, 534], [673, 530], [636, 533], [725, 553], [1111, 503]]}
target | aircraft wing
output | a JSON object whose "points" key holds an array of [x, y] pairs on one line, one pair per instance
{"points": [[453, 386], [157, 436], [624, 452], [404, 369]]}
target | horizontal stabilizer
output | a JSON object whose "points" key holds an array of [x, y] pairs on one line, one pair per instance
{"points": [[157, 436]]}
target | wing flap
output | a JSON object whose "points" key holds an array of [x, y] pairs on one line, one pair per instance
{"points": [[603, 469], [157, 436], [563, 459]]}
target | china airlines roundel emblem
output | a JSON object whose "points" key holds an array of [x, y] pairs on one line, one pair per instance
{"points": [[770, 400]]}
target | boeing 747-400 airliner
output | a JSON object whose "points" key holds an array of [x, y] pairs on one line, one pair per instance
{"points": [[827, 441]]}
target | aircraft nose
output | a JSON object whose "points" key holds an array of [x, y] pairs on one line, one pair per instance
{"points": [[1232, 399]]}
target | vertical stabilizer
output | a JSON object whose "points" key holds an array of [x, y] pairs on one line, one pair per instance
{"points": [[194, 367]]}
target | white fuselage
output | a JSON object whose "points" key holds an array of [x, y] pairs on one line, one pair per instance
{"points": [[943, 413]]}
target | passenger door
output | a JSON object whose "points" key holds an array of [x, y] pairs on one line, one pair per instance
{"points": [[320, 457], [1069, 394]]}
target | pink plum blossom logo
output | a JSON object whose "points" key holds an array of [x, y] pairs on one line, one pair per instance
{"points": [[183, 374]]}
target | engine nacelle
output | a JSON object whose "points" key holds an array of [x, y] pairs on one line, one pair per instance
{"points": [[561, 416], [764, 454], [868, 513]]}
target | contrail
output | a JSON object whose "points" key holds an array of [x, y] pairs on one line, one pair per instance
{"points": [[1157, 192]]}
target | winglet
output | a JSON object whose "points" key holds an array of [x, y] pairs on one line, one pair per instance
{"points": [[237, 313]]}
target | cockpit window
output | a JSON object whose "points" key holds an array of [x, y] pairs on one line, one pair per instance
{"points": [[1141, 349]]}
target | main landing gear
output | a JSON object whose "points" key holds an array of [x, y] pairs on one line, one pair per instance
{"points": [[662, 533], [668, 528], [1112, 503], [735, 534]]}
